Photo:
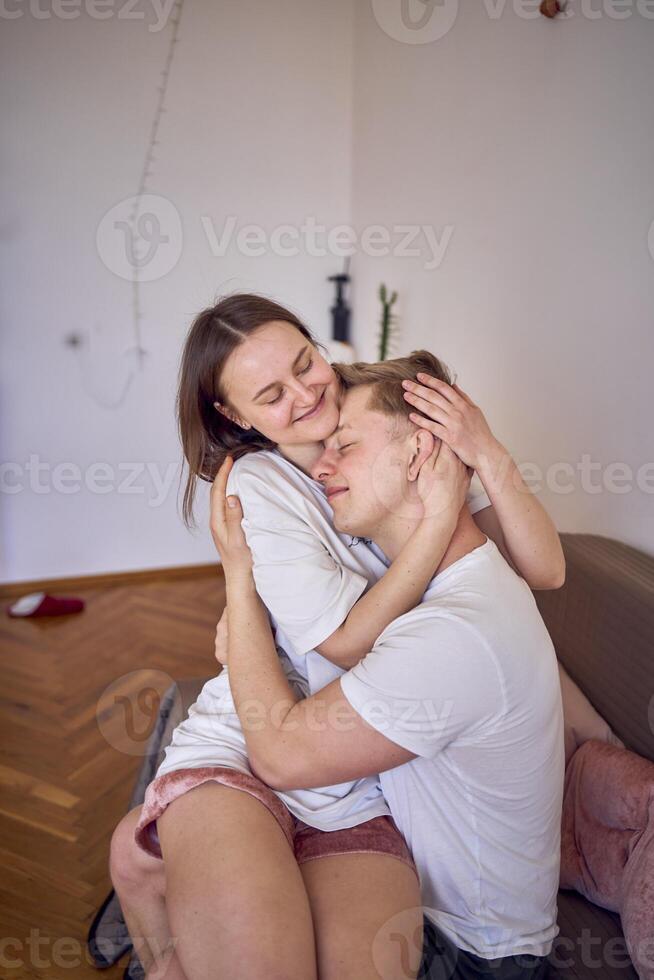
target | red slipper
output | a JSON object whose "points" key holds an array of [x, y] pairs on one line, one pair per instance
{"points": [[40, 604]]}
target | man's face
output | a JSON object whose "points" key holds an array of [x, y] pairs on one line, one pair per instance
{"points": [[365, 467]]}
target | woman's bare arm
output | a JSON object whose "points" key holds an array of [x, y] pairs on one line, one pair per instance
{"points": [[528, 536], [442, 485], [531, 541]]}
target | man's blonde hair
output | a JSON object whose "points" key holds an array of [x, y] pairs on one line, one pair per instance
{"points": [[385, 379]]}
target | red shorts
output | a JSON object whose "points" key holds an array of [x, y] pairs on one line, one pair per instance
{"points": [[376, 836]]}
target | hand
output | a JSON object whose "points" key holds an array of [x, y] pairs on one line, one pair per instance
{"points": [[452, 416], [226, 530], [222, 638], [443, 483]]}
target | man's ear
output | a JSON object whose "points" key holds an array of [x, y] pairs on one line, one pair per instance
{"points": [[227, 412], [421, 447]]}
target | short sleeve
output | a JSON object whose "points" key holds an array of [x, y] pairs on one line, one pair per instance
{"points": [[306, 590], [477, 499], [425, 686]]}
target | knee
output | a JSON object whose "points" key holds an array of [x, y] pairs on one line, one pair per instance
{"points": [[129, 866]]}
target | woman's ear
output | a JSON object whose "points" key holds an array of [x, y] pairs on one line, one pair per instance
{"points": [[421, 447], [227, 412]]}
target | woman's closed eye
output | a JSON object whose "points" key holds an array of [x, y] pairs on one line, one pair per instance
{"points": [[277, 397]]}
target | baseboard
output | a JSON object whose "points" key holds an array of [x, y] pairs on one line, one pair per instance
{"points": [[9, 590]]}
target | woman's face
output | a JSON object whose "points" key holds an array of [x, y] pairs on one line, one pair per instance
{"points": [[278, 382]]}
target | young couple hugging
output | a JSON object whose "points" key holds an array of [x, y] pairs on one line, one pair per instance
{"points": [[372, 785]]}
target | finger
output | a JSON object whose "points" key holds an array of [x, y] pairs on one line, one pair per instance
{"points": [[449, 457], [234, 511], [434, 427], [435, 453], [233, 524], [430, 410], [432, 459], [218, 491], [220, 480], [442, 387], [447, 453], [426, 397], [463, 395]]}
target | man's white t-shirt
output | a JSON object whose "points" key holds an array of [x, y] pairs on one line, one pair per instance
{"points": [[468, 681], [309, 576]]}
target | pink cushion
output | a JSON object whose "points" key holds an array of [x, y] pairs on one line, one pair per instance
{"points": [[607, 840], [581, 721]]}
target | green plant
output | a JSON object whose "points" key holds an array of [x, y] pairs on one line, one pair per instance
{"points": [[388, 322]]}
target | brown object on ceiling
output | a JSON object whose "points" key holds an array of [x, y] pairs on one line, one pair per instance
{"points": [[550, 8]]}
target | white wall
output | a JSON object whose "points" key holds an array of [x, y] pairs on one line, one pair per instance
{"points": [[534, 141], [257, 126]]}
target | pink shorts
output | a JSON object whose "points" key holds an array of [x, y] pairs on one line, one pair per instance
{"points": [[376, 836]]}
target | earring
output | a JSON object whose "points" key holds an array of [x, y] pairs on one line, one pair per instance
{"points": [[219, 408]]}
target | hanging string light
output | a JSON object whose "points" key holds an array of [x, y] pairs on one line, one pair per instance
{"points": [[135, 217]]}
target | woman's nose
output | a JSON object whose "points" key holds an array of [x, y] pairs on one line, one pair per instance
{"points": [[303, 392]]}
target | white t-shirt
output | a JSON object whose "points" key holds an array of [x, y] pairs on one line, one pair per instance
{"points": [[309, 576], [468, 681]]}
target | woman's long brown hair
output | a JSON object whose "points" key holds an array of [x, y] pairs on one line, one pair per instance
{"points": [[206, 434]]}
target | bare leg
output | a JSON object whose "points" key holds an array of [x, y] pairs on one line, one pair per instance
{"points": [[140, 883], [234, 893], [367, 916]]}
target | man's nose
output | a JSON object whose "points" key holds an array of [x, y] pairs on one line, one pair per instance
{"points": [[325, 466]]}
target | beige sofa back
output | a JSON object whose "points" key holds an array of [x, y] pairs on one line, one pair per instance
{"points": [[602, 625]]}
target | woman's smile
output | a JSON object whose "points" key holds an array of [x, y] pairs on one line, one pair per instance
{"points": [[315, 410]]}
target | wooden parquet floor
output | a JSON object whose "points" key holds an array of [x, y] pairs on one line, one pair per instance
{"points": [[78, 699]]}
